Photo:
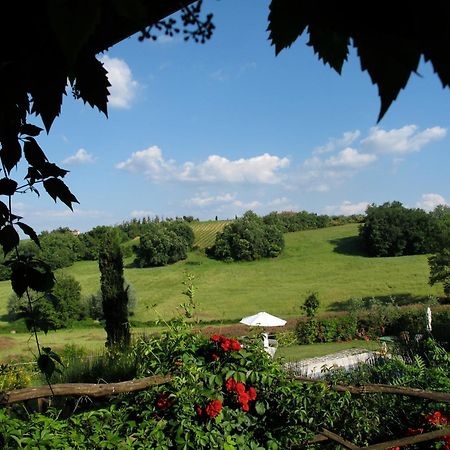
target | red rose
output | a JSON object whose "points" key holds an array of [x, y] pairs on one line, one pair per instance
{"points": [[225, 345], [235, 345], [243, 398], [230, 385], [252, 393], [162, 402], [215, 338], [214, 408], [214, 357], [199, 410], [240, 388], [245, 407]]}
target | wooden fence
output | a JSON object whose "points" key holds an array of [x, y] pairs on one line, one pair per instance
{"points": [[103, 390]]}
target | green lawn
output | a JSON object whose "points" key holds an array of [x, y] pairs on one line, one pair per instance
{"points": [[325, 261], [299, 352]]}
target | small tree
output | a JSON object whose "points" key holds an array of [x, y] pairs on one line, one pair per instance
{"points": [[311, 305], [440, 269], [114, 295]]}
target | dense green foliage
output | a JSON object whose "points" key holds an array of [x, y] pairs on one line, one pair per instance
{"points": [[247, 239], [373, 320], [223, 395], [393, 230], [114, 295], [440, 269], [53, 310], [162, 243]]}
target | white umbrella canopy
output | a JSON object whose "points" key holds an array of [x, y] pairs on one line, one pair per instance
{"points": [[263, 319]]}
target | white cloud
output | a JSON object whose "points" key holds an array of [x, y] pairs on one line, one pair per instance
{"points": [[203, 199], [123, 88], [429, 201], [80, 157], [399, 141], [139, 213], [220, 75], [347, 208], [86, 213], [261, 169], [247, 205], [349, 158], [347, 138]]}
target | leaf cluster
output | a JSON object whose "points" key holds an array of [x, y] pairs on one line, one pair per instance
{"points": [[390, 41]]}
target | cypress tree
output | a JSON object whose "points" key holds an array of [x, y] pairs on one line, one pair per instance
{"points": [[114, 295]]}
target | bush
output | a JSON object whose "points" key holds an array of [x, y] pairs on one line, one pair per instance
{"points": [[247, 239], [160, 247], [223, 395], [53, 310], [393, 230], [94, 302]]}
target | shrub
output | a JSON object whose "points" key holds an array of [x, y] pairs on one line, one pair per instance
{"points": [[393, 230], [247, 239], [160, 246], [53, 310]]}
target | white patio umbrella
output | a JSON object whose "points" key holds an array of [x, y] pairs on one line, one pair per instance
{"points": [[263, 319]]}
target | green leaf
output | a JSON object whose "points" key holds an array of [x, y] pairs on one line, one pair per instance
{"points": [[19, 280], [57, 189], [330, 46], [29, 232], [8, 238], [30, 129], [52, 170], [73, 23], [41, 280], [46, 365], [286, 23], [389, 62], [4, 213], [92, 83], [260, 408], [36, 275], [34, 154], [7, 186], [48, 85], [11, 152]]}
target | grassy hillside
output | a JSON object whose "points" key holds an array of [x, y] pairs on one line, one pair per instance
{"points": [[326, 261]]}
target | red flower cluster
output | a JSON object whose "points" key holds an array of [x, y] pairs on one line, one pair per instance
{"points": [[213, 408], [437, 418], [226, 344], [243, 396], [163, 402]]}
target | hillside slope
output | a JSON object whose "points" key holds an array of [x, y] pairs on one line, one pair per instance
{"points": [[326, 261]]}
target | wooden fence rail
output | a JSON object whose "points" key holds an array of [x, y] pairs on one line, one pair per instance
{"points": [[382, 389], [103, 390], [81, 389]]}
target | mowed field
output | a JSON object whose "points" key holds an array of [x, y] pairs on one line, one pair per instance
{"points": [[325, 261]]}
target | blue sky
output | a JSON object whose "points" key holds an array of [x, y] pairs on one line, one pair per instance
{"points": [[220, 128]]}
